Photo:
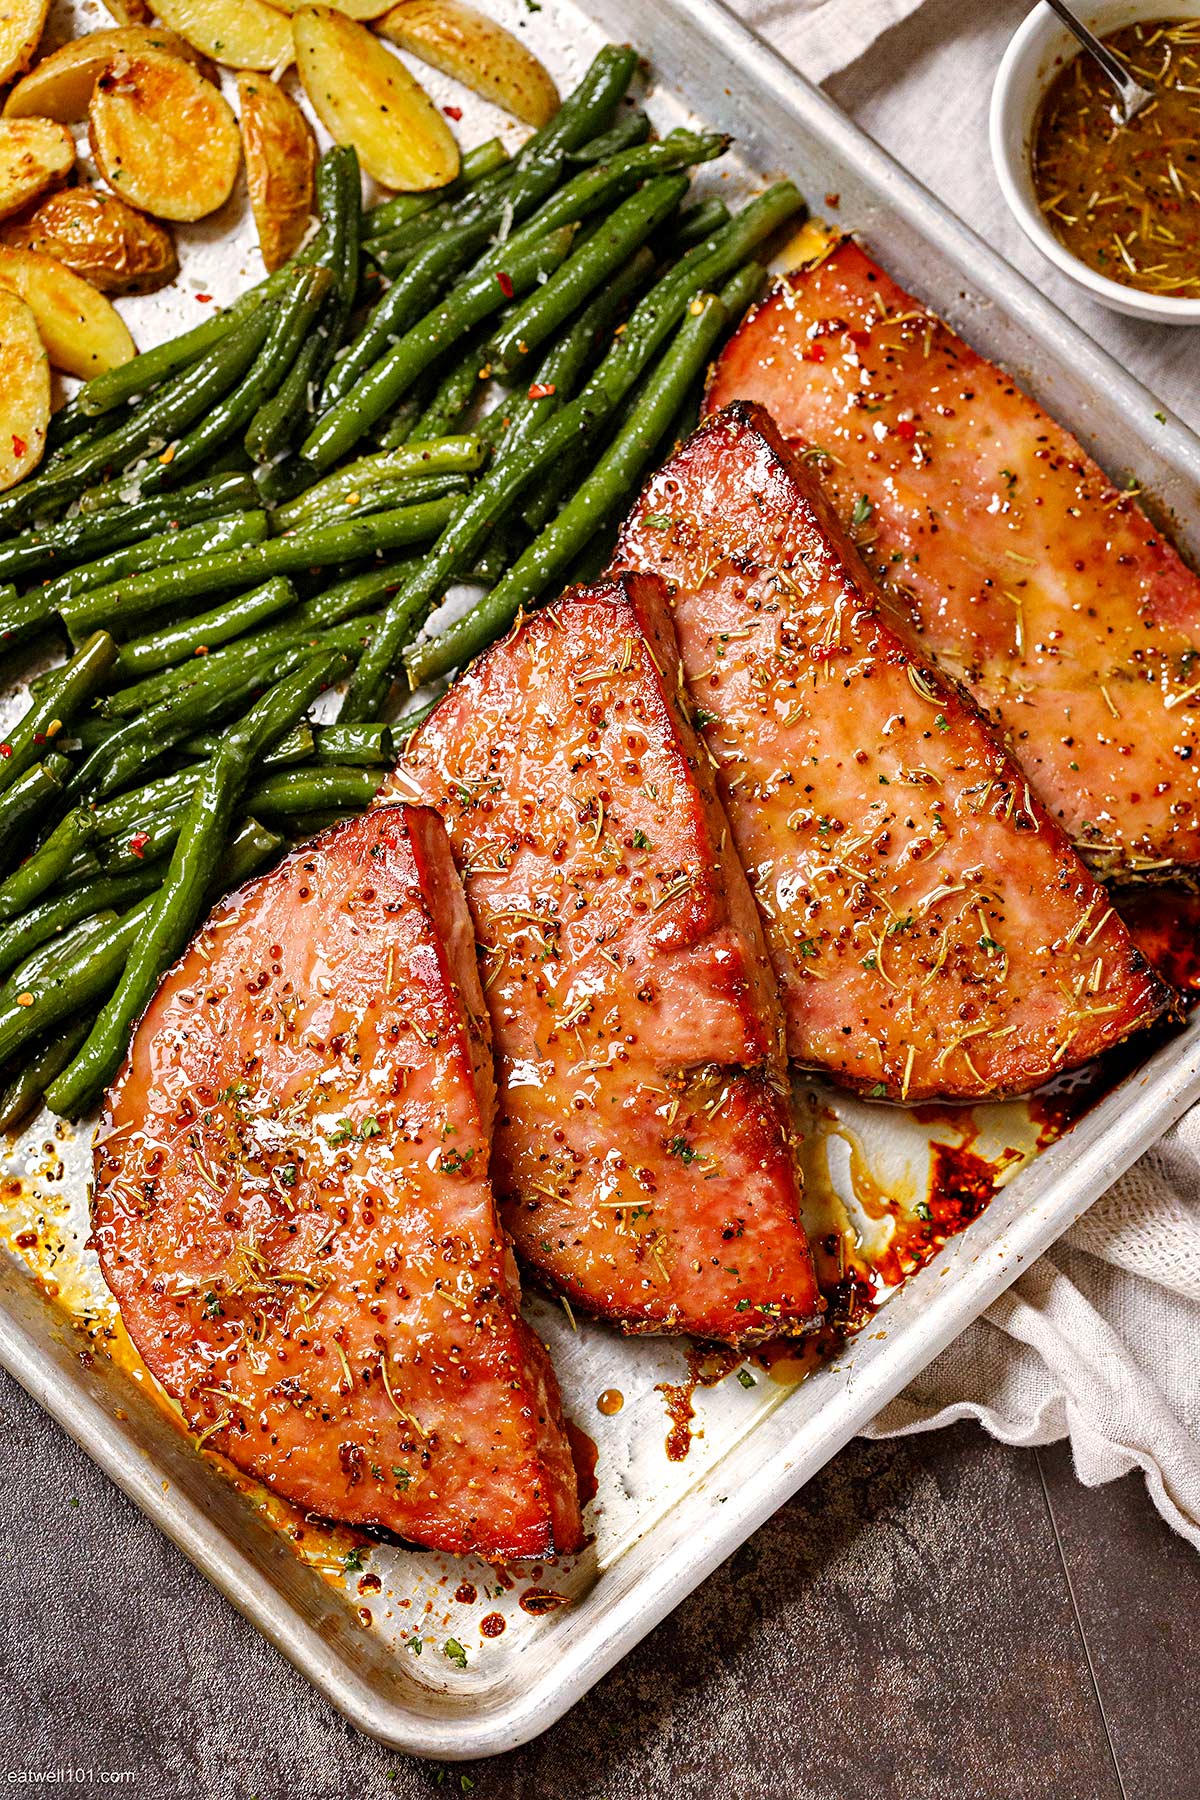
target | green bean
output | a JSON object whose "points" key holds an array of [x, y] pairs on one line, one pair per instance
{"points": [[631, 128], [350, 540], [91, 974], [468, 304], [437, 456], [298, 746], [484, 159], [464, 228], [25, 803], [179, 715], [346, 599], [22, 618], [168, 792], [59, 911], [650, 323], [312, 790], [294, 314], [605, 252], [594, 188], [104, 392], [567, 360], [453, 398], [281, 416], [195, 637], [22, 1090], [232, 662], [610, 485], [72, 686], [54, 953], [174, 911], [41, 870], [85, 536], [366, 746], [400, 424], [157, 421], [695, 224], [230, 529]]}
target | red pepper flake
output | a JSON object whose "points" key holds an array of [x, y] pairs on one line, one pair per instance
{"points": [[5, 749], [906, 429], [833, 199], [453, 112], [138, 842], [542, 390], [506, 286], [39, 737], [204, 299], [816, 353], [19, 445]]}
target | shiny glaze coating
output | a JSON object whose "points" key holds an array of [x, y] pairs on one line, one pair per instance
{"points": [[292, 1204], [642, 1152], [1031, 578], [933, 931]]}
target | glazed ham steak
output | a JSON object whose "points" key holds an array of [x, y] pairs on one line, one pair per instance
{"points": [[642, 1151], [933, 931], [1072, 620], [293, 1209]]}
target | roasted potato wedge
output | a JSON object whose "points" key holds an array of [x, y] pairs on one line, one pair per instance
{"points": [[119, 250], [61, 85], [245, 34], [21, 26], [24, 390], [462, 42], [83, 333], [281, 156], [364, 96], [35, 156], [163, 138]]}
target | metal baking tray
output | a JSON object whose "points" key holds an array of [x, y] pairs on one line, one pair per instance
{"points": [[659, 1525]]}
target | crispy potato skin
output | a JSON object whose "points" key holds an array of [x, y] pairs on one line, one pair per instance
{"points": [[363, 95], [292, 1187], [643, 1154], [35, 156], [24, 390], [934, 934], [463, 42], [163, 137], [83, 333], [61, 85], [115, 247], [281, 156], [1071, 618], [21, 25]]}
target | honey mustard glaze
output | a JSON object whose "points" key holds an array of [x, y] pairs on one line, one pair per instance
{"points": [[1125, 199]]}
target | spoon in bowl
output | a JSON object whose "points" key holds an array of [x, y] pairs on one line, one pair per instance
{"points": [[1131, 95]]}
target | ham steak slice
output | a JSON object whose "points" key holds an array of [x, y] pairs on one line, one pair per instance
{"points": [[642, 1151], [933, 931], [293, 1209], [1070, 617]]}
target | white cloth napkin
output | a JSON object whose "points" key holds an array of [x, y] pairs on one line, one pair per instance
{"points": [[1100, 1341]]}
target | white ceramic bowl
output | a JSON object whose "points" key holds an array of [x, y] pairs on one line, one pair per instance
{"points": [[1038, 49]]}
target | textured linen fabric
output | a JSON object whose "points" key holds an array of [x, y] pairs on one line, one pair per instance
{"points": [[1100, 1341]]}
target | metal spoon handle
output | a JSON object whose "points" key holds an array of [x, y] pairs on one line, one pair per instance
{"points": [[1133, 95]]}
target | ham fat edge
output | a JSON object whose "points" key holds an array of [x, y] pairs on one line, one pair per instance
{"points": [[1027, 575], [643, 1151], [933, 931], [293, 1208]]}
